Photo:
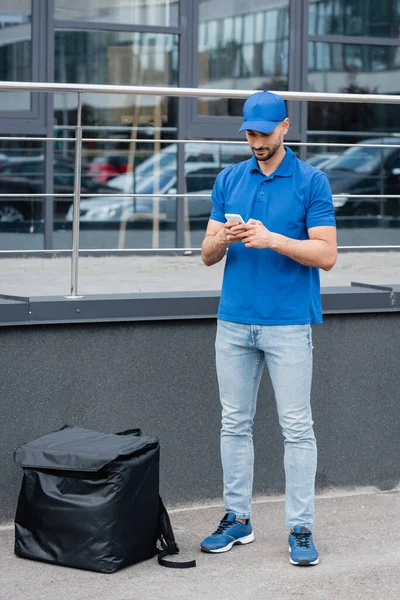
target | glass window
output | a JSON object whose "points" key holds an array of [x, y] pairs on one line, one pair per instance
{"points": [[136, 12], [227, 36], [102, 57], [249, 28], [112, 57], [248, 59], [212, 34], [271, 25], [260, 27], [202, 36], [15, 51], [396, 164], [203, 162], [359, 160], [352, 68], [251, 51], [355, 17], [21, 172], [238, 28]]}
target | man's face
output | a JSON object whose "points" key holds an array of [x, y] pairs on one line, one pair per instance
{"points": [[265, 145]]}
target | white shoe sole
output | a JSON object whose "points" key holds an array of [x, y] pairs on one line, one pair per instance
{"points": [[244, 540], [303, 563]]}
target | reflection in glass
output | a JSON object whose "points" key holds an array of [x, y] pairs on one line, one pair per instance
{"points": [[135, 12], [21, 172], [376, 18], [158, 174], [358, 160], [241, 50], [116, 58], [15, 51], [352, 68], [111, 57], [366, 171]]}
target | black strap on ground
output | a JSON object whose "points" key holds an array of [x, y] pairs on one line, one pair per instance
{"points": [[171, 564], [167, 540]]}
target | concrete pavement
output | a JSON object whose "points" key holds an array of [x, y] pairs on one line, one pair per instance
{"points": [[131, 274], [356, 534]]}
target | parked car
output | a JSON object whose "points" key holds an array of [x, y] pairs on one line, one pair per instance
{"points": [[27, 177], [367, 171], [162, 166], [321, 160], [104, 168], [17, 210], [117, 208], [158, 174]]}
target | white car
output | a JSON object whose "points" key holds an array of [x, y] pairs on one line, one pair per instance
{"points": [[118, 209], [158, 174]]}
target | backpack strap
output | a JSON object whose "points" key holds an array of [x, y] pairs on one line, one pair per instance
{"points": [[167, 541]]}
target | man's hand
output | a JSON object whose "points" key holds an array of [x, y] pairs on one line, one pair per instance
{"points": [[253, 234], [319, 250], [218, 237], [232, 231]]}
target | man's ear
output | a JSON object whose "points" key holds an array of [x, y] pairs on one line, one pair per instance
{"points": [[285, 125]]}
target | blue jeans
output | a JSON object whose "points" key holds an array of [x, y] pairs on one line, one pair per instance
{"points": [[240, 353]]}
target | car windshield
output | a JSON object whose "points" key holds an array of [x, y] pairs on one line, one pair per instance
{"points": [[165, 160], [359, 160], [317, 160]]}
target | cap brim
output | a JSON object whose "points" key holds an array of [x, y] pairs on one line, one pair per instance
{"points": [[261, 126]]}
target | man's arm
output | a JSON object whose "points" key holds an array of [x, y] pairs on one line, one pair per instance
{"points": [[218, 237], [319, 251]]}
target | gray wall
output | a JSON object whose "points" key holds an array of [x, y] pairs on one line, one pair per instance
{"points": [[160, 376]]}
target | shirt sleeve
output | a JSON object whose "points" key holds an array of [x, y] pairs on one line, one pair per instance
{"points": [[218, 200], [320, 211]]}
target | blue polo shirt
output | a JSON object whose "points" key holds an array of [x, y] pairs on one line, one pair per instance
{"points": [[261, 286]]}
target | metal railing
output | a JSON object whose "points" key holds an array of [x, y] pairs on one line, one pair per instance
{"points": [[78, 140]]}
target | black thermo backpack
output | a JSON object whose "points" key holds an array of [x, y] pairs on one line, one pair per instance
{"points": [[91, 500]]}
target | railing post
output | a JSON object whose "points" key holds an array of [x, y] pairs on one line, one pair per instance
{"points": [[77, 201]]}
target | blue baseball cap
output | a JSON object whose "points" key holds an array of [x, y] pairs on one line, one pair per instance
{"points": [[263, 111]]}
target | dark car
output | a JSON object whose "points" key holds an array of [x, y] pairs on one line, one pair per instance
{"points": [[27, 177], [17, 210], [367, 171]]}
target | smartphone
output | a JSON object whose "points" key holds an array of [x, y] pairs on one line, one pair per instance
{"points": [[234, 218]]}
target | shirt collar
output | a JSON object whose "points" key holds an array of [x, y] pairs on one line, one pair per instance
{"points": [[285, 169]]}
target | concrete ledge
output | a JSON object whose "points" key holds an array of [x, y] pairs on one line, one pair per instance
{"points": [[155, 306], [14, 310]]}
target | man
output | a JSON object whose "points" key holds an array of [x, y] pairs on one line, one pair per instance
{"points": [[270, 296]]}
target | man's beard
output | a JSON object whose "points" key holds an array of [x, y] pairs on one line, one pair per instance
{"points": [[270, 154]]}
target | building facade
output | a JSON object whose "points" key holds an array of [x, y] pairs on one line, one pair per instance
{"points": [[350, 46]]}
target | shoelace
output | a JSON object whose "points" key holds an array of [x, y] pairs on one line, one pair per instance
{"points": [[302, 539], [223, 526]]}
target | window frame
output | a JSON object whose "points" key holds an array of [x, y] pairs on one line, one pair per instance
{"points": [[33, 121]]}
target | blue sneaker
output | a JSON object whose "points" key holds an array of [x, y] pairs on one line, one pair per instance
{"points": [[301, 547], [228, 533]]}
